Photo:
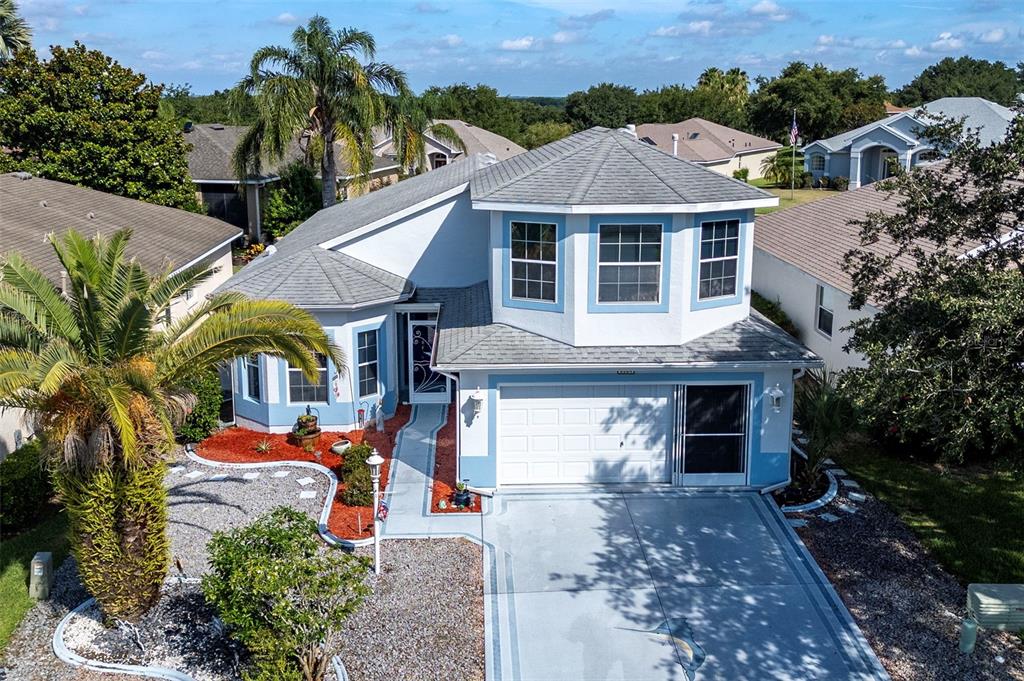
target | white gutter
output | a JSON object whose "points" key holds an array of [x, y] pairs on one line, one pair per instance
{"points": [[617, 208], [263, 181], [631, 367]]}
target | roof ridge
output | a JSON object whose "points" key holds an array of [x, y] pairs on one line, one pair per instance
{"points": [[622, 143], [344, 293], [544, 164], [587, 177], [369, 270]]}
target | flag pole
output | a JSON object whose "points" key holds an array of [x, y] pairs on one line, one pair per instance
{"points": [[792, 156]]}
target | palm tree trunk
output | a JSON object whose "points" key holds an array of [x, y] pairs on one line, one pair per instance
{"points": [[118, 526], [328, 168]]}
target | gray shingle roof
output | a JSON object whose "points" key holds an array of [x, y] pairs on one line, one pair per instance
{"points": [[318, 278], [162, 237], [992, 119], [701, 140], [467, 337], [604, 167]]}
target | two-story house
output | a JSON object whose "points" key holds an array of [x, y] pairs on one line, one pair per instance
{"points": [[586, 305]]}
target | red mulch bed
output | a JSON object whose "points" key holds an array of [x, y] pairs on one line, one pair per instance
{"points": [[238, 445], [444, 469]]}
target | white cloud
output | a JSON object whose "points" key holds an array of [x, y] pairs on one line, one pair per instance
{"points": [[996, 35], [702, 27], [286, 19], [913, 51], [565, 37], [824, 40], [769, 9], [519, 44], [947, 41], [80, 10], [452, 40], [153, 55], [586, 20], [896, 44], [192, 65]]}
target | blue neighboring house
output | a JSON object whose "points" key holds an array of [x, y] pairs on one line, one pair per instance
{"points": [[585, 306], [864, 155]]}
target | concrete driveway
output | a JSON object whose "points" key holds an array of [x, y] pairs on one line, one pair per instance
{"points": [[602, 585]]}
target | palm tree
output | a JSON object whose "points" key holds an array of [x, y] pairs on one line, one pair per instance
{"points": [[825, 416], [734, 83], [318, 85], [103, 376], [14, 31], [410, 121]]}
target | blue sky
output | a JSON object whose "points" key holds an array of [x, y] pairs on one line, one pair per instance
{"points": [[545, 47]]}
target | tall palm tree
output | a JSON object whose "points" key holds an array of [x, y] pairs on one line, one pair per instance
{"points": [[104, 376], [317, 85], [410, 120], [14, 31]]}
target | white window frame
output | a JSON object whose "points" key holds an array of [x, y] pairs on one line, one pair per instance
{"points": [[288, 383], [639, 264], [819, 307], [512, 260], [701, 260], [818, 163], [361, 365], [250, 363]]}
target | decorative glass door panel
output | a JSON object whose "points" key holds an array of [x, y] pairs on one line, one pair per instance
{"points": [[426, 385]]}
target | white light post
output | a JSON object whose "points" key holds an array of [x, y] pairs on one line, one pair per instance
{"points": [[375, 462]]}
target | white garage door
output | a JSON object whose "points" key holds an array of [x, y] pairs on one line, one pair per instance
{"points": [[584, 433]]}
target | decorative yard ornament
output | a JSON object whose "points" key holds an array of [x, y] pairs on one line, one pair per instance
{"points": [[678, 631], [336, 386], [375, 461]]}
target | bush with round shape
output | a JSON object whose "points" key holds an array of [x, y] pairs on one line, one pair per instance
{"points": [[205, 415], [841, 184], [25, 486], [283, 594]]}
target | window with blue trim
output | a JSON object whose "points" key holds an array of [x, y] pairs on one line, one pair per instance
{"points": [[367, 362], [629, 264], [719, 259], [534, 260], [252, 377], [301, 389]]}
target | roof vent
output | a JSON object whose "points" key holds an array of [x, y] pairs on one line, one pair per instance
{"points": [[631, 129], [693, 135], [675, 144], [43, 204], [91, 215], [217, 126], [22, 175]]}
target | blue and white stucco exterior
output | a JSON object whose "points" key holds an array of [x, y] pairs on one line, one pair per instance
{"points": [[867, 154], [585, 306]]}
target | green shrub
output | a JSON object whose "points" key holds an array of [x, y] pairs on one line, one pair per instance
{"points": [[355, 460], [741, 174], [25, 488], [283, 594], [824, 182], [841, 184], [825, 416], [773, 311], [205, 416], [358, 487], [806, 180]]}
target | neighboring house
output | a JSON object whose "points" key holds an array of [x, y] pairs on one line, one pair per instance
{"points": [[713, 146], [439, 153], [891, 109], [162, 239], [218, 186], [865, 155], [586, 305], [798, 253]]}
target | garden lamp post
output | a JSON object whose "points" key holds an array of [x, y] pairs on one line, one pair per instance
{"points": [[375, 462]]}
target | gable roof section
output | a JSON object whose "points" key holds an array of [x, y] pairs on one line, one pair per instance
{"points": [[482, 141], [993, 120], [713, 142], [467, 337], [162, 237], [607, 167], [318, 278]]}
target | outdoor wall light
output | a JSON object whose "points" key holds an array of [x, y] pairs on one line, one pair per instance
{"points": [[478, 397], [775, 396]]}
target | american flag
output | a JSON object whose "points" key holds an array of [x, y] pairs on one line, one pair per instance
{"points": [[794, 132]]}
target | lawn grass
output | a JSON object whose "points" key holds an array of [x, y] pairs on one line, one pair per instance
{"points": [[972, 521], [800, 197], [15, 558]]}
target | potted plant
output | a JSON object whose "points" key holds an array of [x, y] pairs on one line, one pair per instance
{"points": [[462, 497], [307, 420], [340, 446], [306, 431]]}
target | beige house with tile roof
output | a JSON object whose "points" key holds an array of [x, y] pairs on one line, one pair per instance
{"points": [[440, 153], [716, 147]]}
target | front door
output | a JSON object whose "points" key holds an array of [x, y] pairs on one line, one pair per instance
{"points": [[426, 386], [712, 426]]}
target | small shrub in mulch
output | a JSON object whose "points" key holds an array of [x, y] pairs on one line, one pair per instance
{"points": [[796, 494], [347, 520], [442, 496]]}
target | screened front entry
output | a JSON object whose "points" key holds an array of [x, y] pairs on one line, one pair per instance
{"points": [[712, 431]]}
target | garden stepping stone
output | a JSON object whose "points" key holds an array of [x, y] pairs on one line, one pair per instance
{"points": [[840, 472], [305, 481], [797, 522], [219, 476], [828, 517], [850, 483], [830, 462], [280, 474], [856, 496], [846, 508], [307, 494], [194, 474], [176, 469], [251, 476]]}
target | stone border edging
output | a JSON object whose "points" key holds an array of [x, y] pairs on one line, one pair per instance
{"points": [[332, 490], [823, 500], [340, 673]]}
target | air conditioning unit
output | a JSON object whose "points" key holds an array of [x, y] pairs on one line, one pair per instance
{"points": [[996, 606]]}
